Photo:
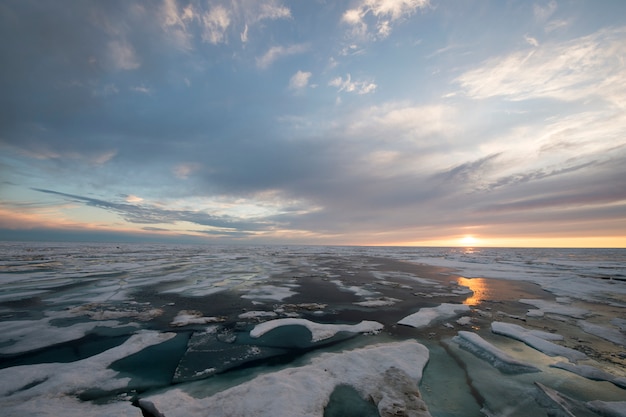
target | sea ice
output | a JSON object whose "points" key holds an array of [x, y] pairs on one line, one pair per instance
{"points": [[496, 357], [591, 372], [27, 335], [544, 306], [378, 302], [537, 339], [612, 335], [608, 408], [426, 316], [186, 317], [268, 292], [257, 314], [319, 331], [381, 372], [58, 381]]}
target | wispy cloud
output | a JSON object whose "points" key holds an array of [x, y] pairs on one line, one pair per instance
{"points": [[349, 86], [299, 80], [276, 52], [215, 22], [383, 12], [582, 68]]}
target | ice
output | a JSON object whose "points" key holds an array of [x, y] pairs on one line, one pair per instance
{"points": [[318, 331], [257, 314], [591, 372], [559, 404], [496, 357], [381, 372], [385, 276], [612, 335], [59, 381], [544, 306], [378, 302], [102, 311], [187, 317], [27, 335], [608, 408], [537, 339], [426, 316], [269, 292], [618, 322], [355, 289]]}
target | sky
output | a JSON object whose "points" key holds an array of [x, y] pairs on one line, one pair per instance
{"points": [[356, 122]]}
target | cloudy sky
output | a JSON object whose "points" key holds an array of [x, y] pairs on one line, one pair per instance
{"points": [[314, 121]]}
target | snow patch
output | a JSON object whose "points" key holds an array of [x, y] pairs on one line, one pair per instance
{"points": [[544, 306], [426, 316], [186, 317], [318, 331]]}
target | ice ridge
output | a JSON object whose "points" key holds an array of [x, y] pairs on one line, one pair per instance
{"points": [[496, 357]]}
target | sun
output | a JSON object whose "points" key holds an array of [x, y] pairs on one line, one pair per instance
{"points": [[468, 240]]}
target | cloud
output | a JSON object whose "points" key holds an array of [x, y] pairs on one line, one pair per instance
{"points": [[215, 22], [150, 214], [276, 52], [384, 12], [543, 13], [122, 55], [349, 86], [582, 68], [299, 80]]}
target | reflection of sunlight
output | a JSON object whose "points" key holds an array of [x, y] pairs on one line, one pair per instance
{"points": [[478, 286]]}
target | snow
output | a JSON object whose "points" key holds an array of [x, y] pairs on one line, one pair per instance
{"points": [[186, 317], [29, 335], [319, 331], [54, 383], [544, 306], [497, 358], [378, 302], [381, 372], [537, 339], [612, 335], [257, 314], [426, 316]]}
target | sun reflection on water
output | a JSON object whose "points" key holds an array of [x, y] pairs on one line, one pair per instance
{"points": [[479, 286]]}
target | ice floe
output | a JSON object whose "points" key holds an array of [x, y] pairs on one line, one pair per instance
{"points": [[387, 373], [187, 317], [56, 382], [495, 356], [428, 315], [257, 314], [607, 333], [319, 331], [25, 335], [545, 306], [378, 302], [591, 372], [537, 339]]}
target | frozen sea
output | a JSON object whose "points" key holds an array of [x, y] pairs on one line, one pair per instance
{"points": [[166, 330]]}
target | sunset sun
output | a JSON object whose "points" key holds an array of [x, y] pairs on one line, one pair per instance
{"points": [[468, 240]]}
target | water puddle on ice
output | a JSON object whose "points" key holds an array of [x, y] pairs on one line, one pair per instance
{"points": [[345, 401]]}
